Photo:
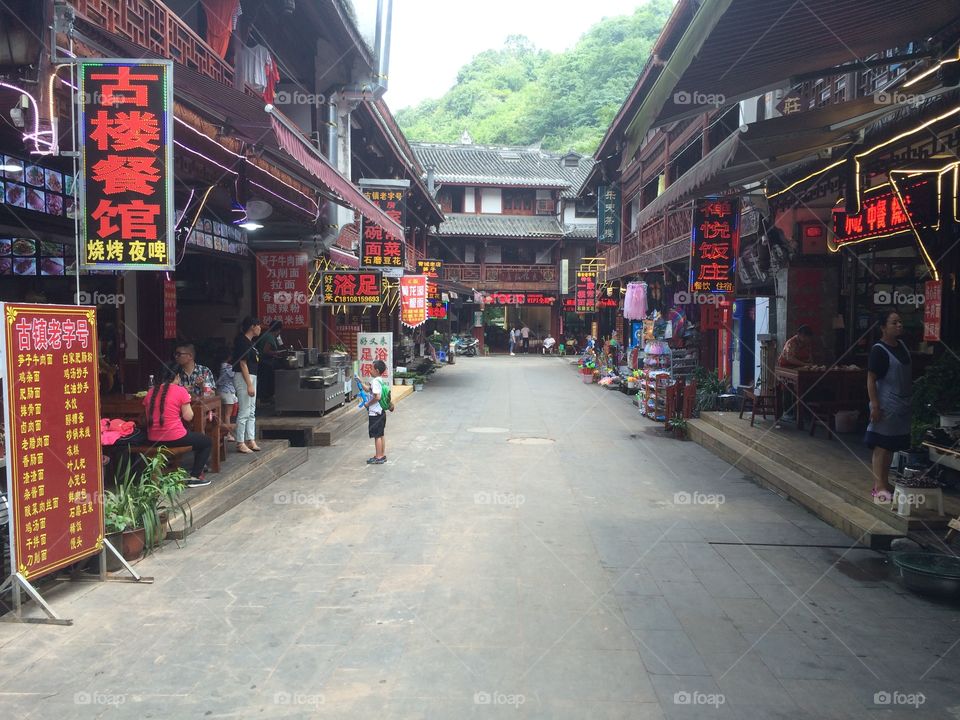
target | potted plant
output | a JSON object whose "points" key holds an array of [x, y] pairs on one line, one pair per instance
{"points": [[418, 383], [679, 427]]}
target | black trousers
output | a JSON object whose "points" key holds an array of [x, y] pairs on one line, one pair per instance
{"points": [[526, 344], [201, 445]]}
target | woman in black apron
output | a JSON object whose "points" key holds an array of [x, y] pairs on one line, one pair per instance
{"points": [[889, 387]]}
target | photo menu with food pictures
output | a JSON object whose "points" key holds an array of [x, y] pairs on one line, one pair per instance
{"points": [[31, 257], [36, 188]]}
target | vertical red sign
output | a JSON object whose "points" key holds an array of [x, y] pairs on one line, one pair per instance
{"points": [[413, 300], [715, 244], [586, 297], [51, 399], [932, 302], [377, 248], [169, 310], [126, 116], [282, 288]]}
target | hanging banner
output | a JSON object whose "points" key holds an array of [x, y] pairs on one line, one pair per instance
{"points": [[413, 300], [586, 297], [608, 215], [437, 310], [51, 399], [169, 310], [430, 268], [715, 242], [377, 248], [283, 291], [351, 287], [126, 177], [932, 301], [374, 346]]}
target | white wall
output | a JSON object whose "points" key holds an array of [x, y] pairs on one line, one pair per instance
{"points": [[469, 200], [491, 201]]}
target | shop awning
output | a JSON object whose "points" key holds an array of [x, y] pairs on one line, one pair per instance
{"points": [[342, 257], [736, 49], [763, 149]]}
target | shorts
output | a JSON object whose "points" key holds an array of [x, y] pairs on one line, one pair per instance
{"points": [[377, 424], [229, 398], [893, 443]]}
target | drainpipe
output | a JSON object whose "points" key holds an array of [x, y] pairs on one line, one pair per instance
{"points": [[382, 42]]}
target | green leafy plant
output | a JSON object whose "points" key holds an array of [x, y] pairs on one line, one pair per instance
{"points": [[709, 388], [679, 426], [935, 393]]}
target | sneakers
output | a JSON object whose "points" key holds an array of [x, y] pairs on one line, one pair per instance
{"points": [[377, 461], [197, 481]]}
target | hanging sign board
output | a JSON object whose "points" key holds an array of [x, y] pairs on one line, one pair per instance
{"points": [[882, 214], [283, 291], [608, 215], [932, 302], [715, 242], [169, 310], [430, 268], [413, 300], [374, 346], [351, 287], [51, 405], [586, 297], [126, 176], [377, 248]]}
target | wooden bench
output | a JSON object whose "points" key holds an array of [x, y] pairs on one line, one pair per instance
{"points": [[173, 453]]}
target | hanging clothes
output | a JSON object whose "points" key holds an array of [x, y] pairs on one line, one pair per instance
{"points": [[635, 301], [252, 68], [221, 19], [273, 77]]}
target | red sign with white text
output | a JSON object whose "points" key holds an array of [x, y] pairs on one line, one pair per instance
{"points": [[53, 436], [714, 245], [350, 287], [882, 213], [413, 300], [518, 298], [282, 288], [169, 310], [932, 302], [126, 117]]}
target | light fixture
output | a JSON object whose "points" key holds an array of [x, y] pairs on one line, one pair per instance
{"points": [[11, 168], [250, 225]]}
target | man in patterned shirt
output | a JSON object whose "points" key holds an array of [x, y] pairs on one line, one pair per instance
{"points": [[197, 379]]}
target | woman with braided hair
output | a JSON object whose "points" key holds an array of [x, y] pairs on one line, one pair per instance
{"points": [[168, 409]]}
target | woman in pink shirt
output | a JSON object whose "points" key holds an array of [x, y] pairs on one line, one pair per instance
{"points": [[168, 409]]}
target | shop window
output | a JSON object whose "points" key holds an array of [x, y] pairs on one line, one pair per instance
{"points": [[585, 208], [518, 202]]}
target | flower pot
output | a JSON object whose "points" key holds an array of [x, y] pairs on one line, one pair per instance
{"points": [[132, 543], [418, 387], [113, 563]]}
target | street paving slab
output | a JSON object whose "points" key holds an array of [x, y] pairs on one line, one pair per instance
{"points": [[533, 548]]}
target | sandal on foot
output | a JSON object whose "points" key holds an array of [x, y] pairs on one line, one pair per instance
{"points": [[882, 496], [241, 448]]}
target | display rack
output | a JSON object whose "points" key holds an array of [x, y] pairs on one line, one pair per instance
{"points": [[683, 363], [657, 363]]}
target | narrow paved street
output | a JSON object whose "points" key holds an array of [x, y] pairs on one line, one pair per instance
{"points": [[532, 549]]}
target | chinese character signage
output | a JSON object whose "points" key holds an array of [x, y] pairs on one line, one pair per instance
{"points": [[53, 436], [126, 117], [413, 300], [377, 248], [715, 244], [586, 297], [518, 298], [169, 310], [430, 268], [932, 301], [437, 310], [282, 292], [882, 213], [569, 304], [608, 214], [351, 287], [374, 346]]}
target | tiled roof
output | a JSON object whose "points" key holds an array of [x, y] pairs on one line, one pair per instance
{"points": [[580, 231], [504, 166], [510, 226]]}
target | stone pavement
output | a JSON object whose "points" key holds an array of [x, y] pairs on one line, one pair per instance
{"points": [[533, 548]]}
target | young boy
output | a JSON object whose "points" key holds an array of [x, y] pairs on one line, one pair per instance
{"points": [[377, 418]]}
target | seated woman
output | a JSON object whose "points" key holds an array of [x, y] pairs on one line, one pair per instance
{"points": [[168, 409]]}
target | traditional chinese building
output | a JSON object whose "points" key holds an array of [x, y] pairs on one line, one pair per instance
{"points": [[511, 227]]}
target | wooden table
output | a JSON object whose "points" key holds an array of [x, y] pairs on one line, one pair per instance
{"points": [[130, 407], [841, 389]]}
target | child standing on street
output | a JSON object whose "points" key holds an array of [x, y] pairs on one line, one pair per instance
{"points": [[377, 405]]}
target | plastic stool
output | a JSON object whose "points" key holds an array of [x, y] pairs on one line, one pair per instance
{"points": [[904, 498], [561, 349]]}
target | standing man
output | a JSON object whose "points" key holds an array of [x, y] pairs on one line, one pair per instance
{"points": [[889, 378], [269, 343], [196, 378], [525, 335], [376, 417], [513, 340]]}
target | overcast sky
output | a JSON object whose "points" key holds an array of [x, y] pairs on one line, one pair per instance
{"points": [[433, 39]]}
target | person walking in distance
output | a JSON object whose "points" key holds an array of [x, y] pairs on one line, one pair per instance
{"points": [[247, 362], [525, 336], [889, 386], [513, 340], [376, 412]]}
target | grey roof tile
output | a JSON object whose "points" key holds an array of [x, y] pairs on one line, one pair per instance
{"points": [[509, 226]]}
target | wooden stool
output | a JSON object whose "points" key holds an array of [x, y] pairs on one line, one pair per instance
{"points": [[821, 413], [173, 453], [758, 403]]}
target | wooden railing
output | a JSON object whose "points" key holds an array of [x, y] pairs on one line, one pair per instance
{"points": [[659, 241], [153, 26]]}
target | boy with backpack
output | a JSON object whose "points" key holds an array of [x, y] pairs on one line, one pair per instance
{"points": [[377, 405]]}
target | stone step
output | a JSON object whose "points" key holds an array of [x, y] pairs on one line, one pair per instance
{"points": [[818, 469], [861, 526], [226, 492]]}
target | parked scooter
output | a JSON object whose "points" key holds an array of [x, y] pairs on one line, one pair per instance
{"points": [[466, 345]]}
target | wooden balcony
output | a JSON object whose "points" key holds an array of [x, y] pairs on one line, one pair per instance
{"points": [[156, 28], [499, 276], [662, 240]]}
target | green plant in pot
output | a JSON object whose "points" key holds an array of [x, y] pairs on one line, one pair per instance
{"points": [[134, 511], [709, 388], [935, 393], [679, 426]]}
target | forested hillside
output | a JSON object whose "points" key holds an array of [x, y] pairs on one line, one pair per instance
{"points": [[519, 95]]}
